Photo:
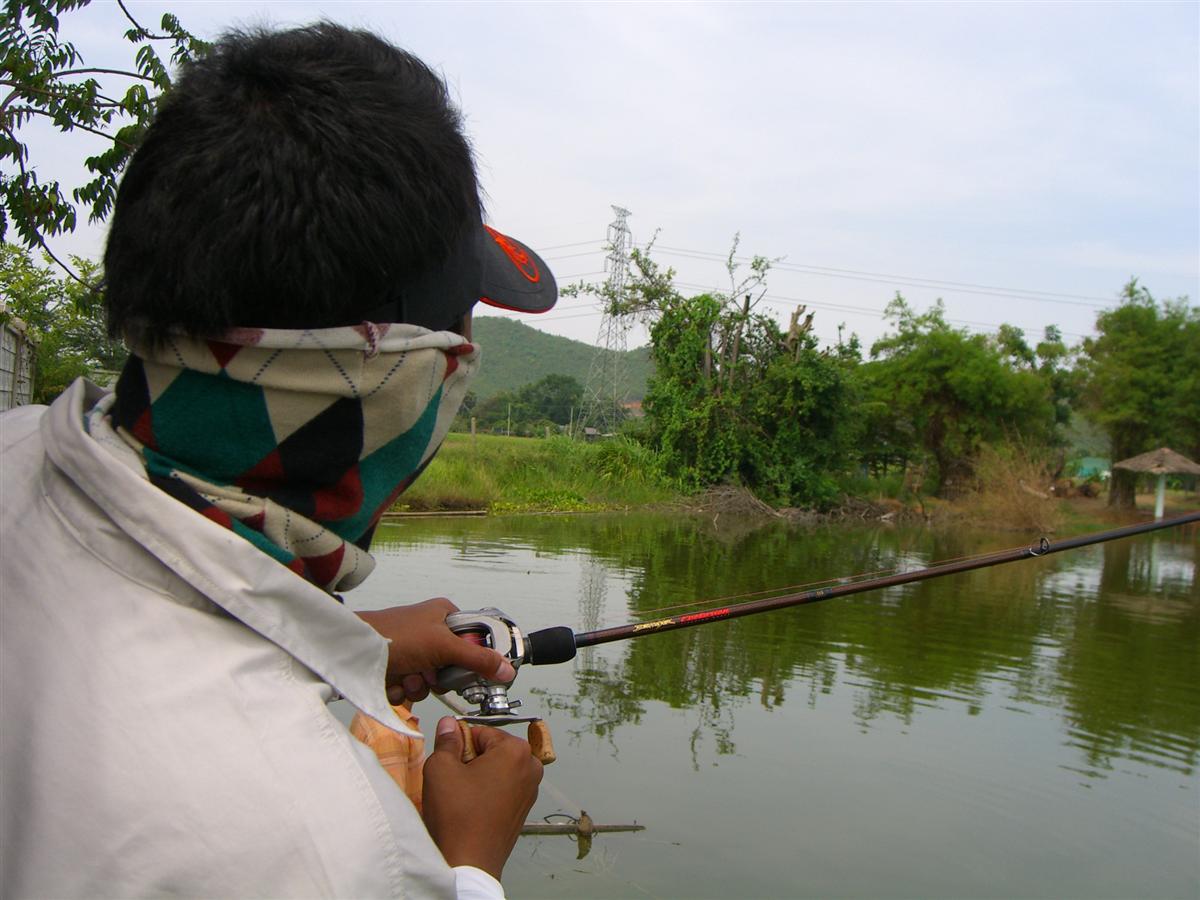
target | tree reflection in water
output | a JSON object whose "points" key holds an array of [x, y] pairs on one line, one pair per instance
{"points": [[1108, 635]]}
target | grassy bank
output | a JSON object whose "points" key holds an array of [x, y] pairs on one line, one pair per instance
{"points": [[510, 474], [1093, 513]]}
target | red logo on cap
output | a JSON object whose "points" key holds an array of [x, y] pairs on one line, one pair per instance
{"points": [[522, 260]]}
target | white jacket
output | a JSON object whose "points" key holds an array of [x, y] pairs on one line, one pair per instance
{"points": [[163, 691]]}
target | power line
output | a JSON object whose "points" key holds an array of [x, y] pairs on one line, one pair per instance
{"points": [[869, 311], [580, 275], [855, 274], [594, 309], [595, 252], [543, 250], [968, 287], [907, 280], [561, 317]]}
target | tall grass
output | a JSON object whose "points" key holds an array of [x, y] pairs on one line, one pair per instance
{"points": [[873, 487], [1012, 484], [556, 474], [510, 474]]}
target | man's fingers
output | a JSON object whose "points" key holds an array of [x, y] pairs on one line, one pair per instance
{"points": [[488, 738], [497, 739], [440, 607], [447, 739], [502, 745], [488, 663], [415, 687]]}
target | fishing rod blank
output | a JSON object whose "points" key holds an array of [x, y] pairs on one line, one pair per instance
{"points": [[556, 640]]}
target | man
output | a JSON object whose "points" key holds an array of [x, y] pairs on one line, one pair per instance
{"points": [[293, 258]]}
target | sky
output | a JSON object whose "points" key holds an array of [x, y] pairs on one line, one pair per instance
{"points": [[1021, 161]]}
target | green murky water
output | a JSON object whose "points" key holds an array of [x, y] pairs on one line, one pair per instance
{"points": [[1031, 730]]}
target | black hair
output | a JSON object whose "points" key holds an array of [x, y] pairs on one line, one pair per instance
{"points": [[290, 179]]}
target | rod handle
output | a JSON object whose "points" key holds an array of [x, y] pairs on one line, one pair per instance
{"points": [[541, 745], [468, 742]]}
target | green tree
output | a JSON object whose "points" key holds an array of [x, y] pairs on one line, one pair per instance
{"points": [[496, 412], [1056, 365], [946, 392], [735, 398], [64, 316], [553, 398], [1142, 380], [549, 401], [47, 78], [1050, 358]]}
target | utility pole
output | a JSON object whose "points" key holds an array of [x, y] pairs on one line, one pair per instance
{"points": [[605, 391]]}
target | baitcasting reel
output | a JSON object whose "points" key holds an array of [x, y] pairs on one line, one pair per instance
{"points": [[491, 628]]}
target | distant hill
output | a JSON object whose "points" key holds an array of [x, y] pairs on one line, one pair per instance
{"points": [[515, 355]]}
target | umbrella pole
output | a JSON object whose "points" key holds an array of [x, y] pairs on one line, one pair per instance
{"points": [[1160, 497]]}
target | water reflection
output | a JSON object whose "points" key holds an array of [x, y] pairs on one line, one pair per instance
{"points": [[593, 587], [1106, 636], [1025, 730]]}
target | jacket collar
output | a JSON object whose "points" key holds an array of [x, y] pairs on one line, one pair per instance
{"points": [[265, 596]]}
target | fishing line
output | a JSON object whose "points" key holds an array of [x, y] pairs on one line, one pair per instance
{"points": [[728, 598], [841, 579], [553, 638]]}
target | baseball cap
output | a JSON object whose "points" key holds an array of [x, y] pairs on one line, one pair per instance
{"points": [[484, 266]]}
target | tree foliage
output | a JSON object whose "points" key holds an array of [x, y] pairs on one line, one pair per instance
{"points": [[1142, 380], [551, 400], [939, 393], [774, 416], [734, 398], [46, 77], [65, 318]]}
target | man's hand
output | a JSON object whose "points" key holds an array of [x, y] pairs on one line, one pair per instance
{"points": [[421, 644], [474, 811]]}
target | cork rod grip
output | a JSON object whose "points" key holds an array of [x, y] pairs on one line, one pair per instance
{"points": [[468, 742], [541, 745]]}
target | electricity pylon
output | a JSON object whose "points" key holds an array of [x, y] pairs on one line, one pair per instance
{"points": [[605, 390]]}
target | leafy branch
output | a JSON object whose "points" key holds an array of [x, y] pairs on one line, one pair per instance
{"points": [[47, 78]]}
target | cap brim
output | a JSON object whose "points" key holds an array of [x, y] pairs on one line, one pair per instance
{"points": [[514, 277], [483, 266]]}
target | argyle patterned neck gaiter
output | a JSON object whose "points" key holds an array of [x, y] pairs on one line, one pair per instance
{"points": [[297, 440]]}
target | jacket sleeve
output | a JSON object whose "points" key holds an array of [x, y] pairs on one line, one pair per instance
{"points": [[475, 884]]}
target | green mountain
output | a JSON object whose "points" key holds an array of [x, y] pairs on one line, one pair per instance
{"points": [[515, 355]]}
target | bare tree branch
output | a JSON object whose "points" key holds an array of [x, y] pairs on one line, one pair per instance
{"points": [[82, 127], [138, 25], [107, 101], [95, 71], [62, 265]]}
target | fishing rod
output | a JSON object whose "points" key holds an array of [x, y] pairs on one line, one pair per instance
{"points": [[492, 628], [1043, 547]]}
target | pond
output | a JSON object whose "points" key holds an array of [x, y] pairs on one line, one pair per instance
{"points": [[1028, 730]]}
